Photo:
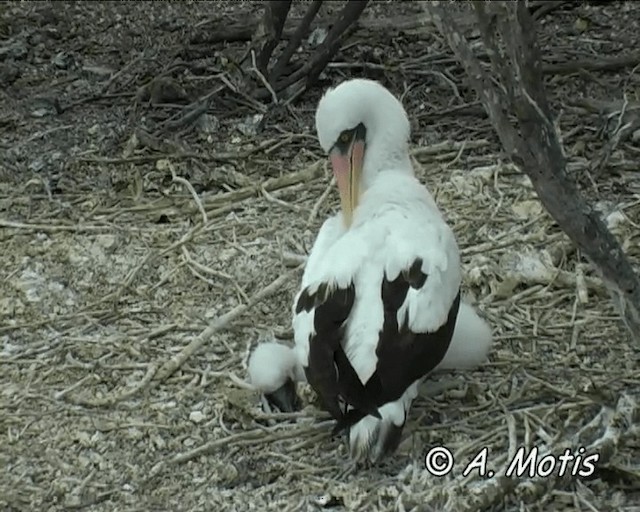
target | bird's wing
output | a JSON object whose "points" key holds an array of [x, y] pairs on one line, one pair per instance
{"points": [[401, 328], [386, 292], [321, 309]]}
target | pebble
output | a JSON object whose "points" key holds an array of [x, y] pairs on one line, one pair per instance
{"points": [[196, 416]]}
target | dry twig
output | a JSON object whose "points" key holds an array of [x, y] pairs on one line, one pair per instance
{"points": [[170, 366]]}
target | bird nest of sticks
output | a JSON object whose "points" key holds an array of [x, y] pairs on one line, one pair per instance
{"points": [[142, 261]]}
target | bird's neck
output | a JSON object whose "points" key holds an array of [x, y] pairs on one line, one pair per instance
{"points": [[379, 159]]}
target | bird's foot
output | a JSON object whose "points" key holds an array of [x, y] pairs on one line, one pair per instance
{"points": [[372, 439], [283, 399]]}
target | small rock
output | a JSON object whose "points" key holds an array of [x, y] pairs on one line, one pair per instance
{"points": [[37, 165], [328, 501], [318, 36], [581, 24], [107, 242], [208, 123], [9, 73], [17, 51], [101, 72], [614, 219], [249, 125], [196, 416], [166, 90], [580, 147], [62, 60], [44, 106], [527, 209], [41, 112]]}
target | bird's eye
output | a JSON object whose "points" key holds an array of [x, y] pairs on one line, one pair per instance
{"points": [[345, 137]]}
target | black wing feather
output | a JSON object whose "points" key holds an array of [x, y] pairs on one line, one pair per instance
{"points": [[403, 356], [329, 371]]}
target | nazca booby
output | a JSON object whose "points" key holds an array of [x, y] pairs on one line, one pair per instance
{"points": [[379, 305]]}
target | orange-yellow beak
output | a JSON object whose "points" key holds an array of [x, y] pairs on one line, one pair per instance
{"points": [[347, 159]]}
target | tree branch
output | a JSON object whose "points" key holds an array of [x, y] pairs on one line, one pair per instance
{"points": [[294, 42], [267, 35], [310, 71], [541, 8], [536, 149]]}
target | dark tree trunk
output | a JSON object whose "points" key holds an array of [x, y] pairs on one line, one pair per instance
{"points": [[268, 33], [533, 143]]}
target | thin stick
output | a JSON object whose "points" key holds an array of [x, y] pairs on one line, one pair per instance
{"points": [[220, 323], [447, 146], [287, 180], [258, 436], [53, 228], [263, 79], [164, 164], [110, 400]]}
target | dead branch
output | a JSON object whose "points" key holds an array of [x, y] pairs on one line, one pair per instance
{"points": [[603, 107], [312, 69], [309, 72], [294, 42], [305, 175], [624, 115], [268, 33], [221, 30], [286, 79], [171, 365], [610, 64], [534, 144], [539, 9], [218, 32]]}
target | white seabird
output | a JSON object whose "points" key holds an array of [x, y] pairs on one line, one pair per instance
{"points": [[379, 305]]}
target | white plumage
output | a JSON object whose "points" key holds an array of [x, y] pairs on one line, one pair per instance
{"points": [[271, 365], [389, 236]]}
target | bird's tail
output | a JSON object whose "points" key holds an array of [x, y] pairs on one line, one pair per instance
{"points": [[470, 343]]}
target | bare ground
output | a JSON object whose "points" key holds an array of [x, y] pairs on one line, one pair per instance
{"points": [[124, 235]]}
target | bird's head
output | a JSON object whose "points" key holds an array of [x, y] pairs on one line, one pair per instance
{"points": [[365, 130]]}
